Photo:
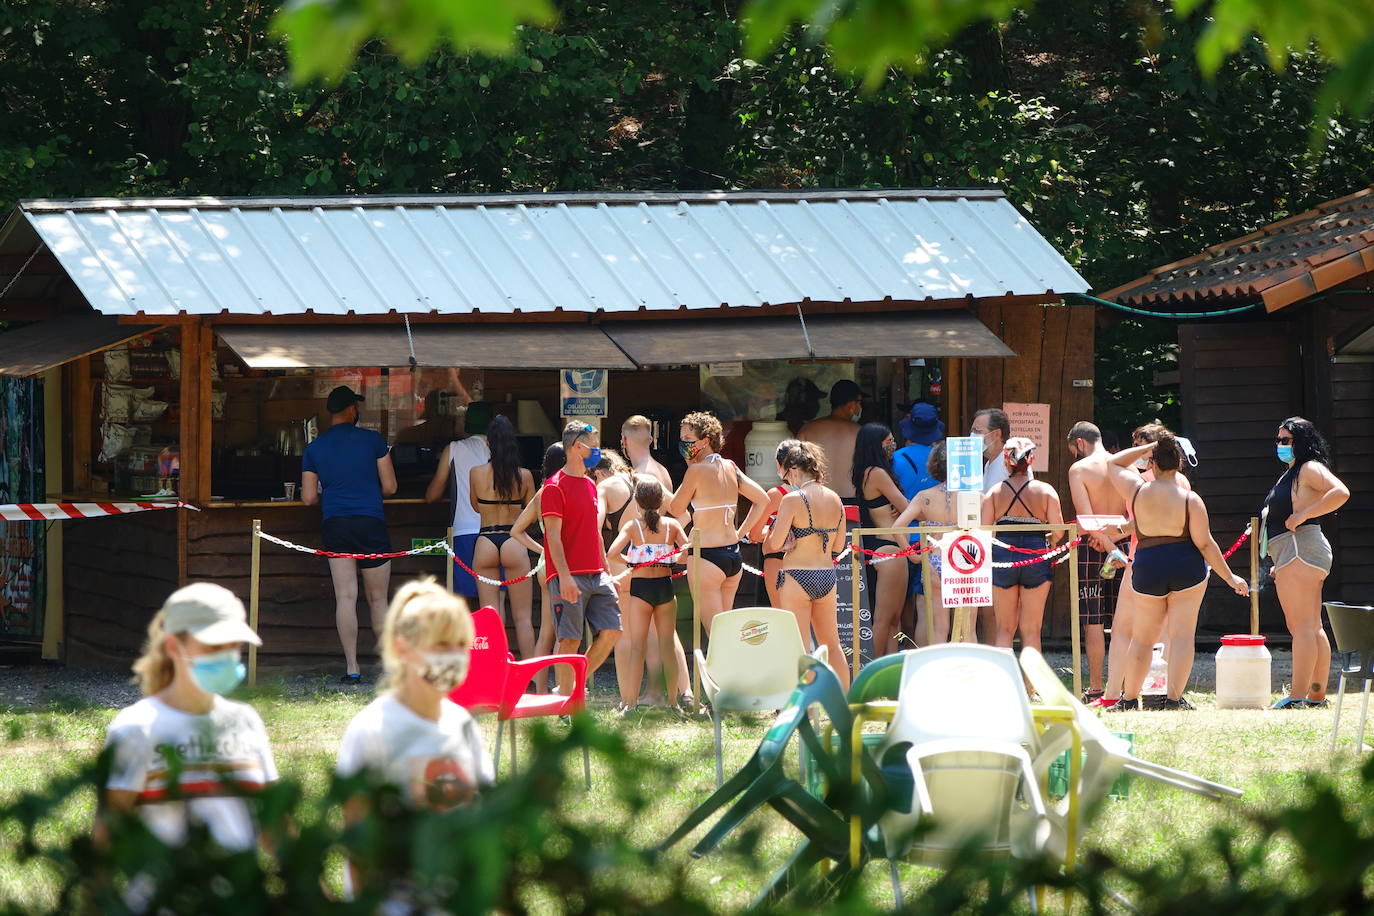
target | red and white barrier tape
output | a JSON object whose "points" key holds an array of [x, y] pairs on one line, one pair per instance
{"points": [[320, 552], [59, 512]]}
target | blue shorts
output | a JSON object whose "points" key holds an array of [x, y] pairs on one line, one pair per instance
{"points": [[463, 582], [1032, 575], [356, 534]]}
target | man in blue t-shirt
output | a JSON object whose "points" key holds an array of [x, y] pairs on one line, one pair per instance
{"points": [[348, 471], [921, 428]]}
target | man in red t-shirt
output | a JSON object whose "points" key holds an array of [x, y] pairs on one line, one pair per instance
{"points": [[580, 588]]}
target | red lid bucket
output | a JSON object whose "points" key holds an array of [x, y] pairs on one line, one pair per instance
{"points": [[1242, 639]]}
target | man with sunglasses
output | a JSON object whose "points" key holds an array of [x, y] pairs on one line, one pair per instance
{"points": [[581, 591]]}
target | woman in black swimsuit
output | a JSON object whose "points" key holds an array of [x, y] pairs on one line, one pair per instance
{"points": [[880, 501], [712, 488], [811, 517], [498, 490], [772, 562], [1168, 571], [1019, 592]]}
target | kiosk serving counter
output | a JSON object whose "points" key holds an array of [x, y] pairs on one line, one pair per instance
{"points": [[186, 347]]}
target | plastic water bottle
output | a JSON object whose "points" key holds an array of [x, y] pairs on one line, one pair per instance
{"points": [[1109, 568], [1157, 681]]}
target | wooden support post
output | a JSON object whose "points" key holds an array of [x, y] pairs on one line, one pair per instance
{"points": [[254, 580], [1254, 575], [928, 581], [1076, 637], [693, 578], [857, 568]]}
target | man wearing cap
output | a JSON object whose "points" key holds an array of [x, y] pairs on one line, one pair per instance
{"points": [[451, 479], [347, 469], [836, 434]]}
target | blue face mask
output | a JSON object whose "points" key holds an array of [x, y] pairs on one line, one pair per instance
{"points": [[1285, 453], [592, 460], [218, 672]]}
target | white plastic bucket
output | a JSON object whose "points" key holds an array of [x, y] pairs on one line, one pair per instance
{"points": [[1243, 676], [761, 451]]}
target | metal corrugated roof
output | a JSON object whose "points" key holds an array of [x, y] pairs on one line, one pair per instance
{"points": [[542, 253]]}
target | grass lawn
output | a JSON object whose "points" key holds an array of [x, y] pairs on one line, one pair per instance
{"points": [[1268, 754]]}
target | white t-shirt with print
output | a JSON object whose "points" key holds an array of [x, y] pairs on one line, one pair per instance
{"points": [[464, 455], [220, 752], [436, 764]]}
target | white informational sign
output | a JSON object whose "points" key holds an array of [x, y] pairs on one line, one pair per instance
{"points": [[964, 463], [966, 572], [1033, 422], [726, 370], [583, 392]]}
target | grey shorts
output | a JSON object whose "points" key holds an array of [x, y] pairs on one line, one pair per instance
{"points": [[596, 605], [1307, 545]]}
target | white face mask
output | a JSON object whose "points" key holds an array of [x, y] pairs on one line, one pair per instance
{"points": [[445, 670]]}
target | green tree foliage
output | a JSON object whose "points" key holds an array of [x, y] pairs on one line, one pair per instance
{"points": [[1096, 120]]}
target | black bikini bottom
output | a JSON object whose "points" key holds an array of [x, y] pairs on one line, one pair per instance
{"points": [[817, 583], [653, 592], [497, 534], [726, 558]]}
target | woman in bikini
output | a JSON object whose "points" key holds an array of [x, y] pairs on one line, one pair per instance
{"points": [[880, 500], [1306, 491], [498, 490], [1019, 592], [712, 488], [650, 538], [772, 562], [1168, 571], [932, 507], [811, 517], [529, 516]]}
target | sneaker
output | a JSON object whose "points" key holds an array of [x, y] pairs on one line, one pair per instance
{"points": [[1090, 697], [1290, 702], [1104, 702], [351, 680], [1319, 704], [1180, 703], [1152, 701], [1125, 705]]}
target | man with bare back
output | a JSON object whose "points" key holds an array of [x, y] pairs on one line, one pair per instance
{"points": [[836, 433], [1090, 484]]}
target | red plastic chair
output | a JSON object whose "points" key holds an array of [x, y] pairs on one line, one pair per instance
{"points": [[496, 682]]}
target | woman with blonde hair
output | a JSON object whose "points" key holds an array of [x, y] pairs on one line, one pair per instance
{"points": [[412, 736], [712, 488], [184, 730], [807, 580]]}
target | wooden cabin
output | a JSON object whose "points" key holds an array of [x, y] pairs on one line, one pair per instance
{"points": [[1293, 335], [205, 333]]}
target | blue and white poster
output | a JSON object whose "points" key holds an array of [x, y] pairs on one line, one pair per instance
{"points": [[583, 392], [964, 463]]}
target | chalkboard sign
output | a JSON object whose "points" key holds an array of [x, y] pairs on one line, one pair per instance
{"points": [[844, 613]]}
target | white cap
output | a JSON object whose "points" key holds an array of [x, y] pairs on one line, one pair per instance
{"points": [[1018, 447], [211, 613]]}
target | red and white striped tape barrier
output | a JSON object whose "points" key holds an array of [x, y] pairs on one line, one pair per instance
{"points": [[60, 512]]}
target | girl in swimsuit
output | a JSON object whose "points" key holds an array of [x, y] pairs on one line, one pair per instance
{"points": [[880, 499], [812, 518], [1019, 593], [498, 490], [772, 562], [712, 488], [650, 538], [529, 516], [933, 507], [1302, 556], [1174, 547]]}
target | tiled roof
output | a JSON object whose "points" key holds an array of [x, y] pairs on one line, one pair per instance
{"points": [[1279, 265]]}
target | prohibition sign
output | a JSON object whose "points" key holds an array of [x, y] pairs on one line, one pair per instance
{"points": [[965, 555]]}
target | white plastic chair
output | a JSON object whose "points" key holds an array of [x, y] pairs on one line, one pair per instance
{"points": [[750, 664], [1106, 755], [976, 760]]}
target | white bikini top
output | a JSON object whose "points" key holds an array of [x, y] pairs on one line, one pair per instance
{"points": [[646, 553], [730, 508]]}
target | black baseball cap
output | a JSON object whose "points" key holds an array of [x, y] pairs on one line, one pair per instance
{"points": [[342, 398], [844, 391]]}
